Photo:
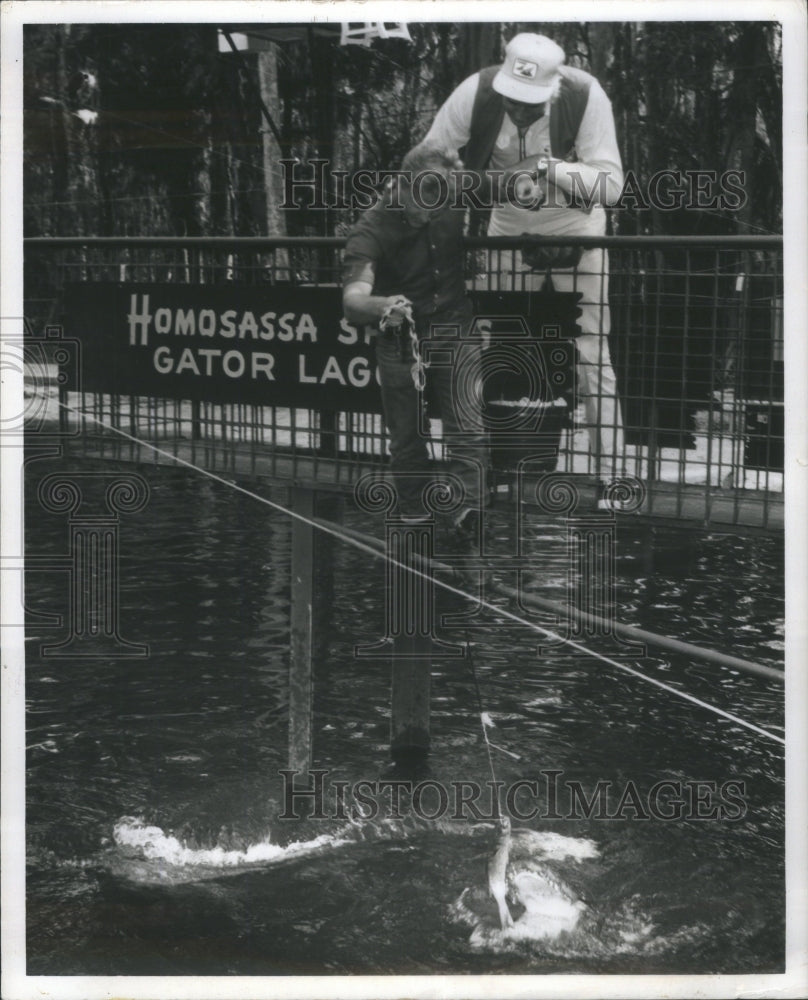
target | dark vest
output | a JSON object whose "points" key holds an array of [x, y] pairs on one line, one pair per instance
{"points": [[568, 109]]}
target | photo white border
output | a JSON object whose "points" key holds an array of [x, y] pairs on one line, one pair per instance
{"points": [[794, 983]]}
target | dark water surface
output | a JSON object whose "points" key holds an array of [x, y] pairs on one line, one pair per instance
{"points": [[155, 845]]}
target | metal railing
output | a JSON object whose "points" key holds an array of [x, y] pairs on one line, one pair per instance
{"points": [[696, 343]]}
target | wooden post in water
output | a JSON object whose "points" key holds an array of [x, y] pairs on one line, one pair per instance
{"points": [[301, 638], [411, 609]]}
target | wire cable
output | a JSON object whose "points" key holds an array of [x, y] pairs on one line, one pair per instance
{"points": [[371, 549]]}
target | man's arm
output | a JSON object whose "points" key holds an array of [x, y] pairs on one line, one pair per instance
{"points": [[451, 129], [362, 307], [596, 176], [452, 125], [359, 303], [598, 173]]}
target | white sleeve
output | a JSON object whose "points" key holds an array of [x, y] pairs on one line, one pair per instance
{"points": [[452, 125], [597, 149]]}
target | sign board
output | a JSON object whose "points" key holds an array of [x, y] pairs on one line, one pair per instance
{"points": [[268, 346], [283, 345]]}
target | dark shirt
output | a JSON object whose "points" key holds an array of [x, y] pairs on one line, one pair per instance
{"points": [[425, 264]]}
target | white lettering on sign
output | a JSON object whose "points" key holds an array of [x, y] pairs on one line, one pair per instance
{"points": [[286, 333], [248, 325], [301, 371], [139, 318], [229, 360], [160, 363], [211, 361], [162, 320], [332, 371], [186, 322], [187, 357], [262, 363], [267, 329], [357, 374], [230, 324], [350, 334], [306, 328], [187, 361], [208, 353], [207, 322]]}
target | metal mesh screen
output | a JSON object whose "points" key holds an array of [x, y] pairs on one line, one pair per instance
{"points": [[694, 328]]}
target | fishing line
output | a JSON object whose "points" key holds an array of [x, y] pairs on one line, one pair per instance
{"points": [[380, 553], [484, 719], [486, 722]]}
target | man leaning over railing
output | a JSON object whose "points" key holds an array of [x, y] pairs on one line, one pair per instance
{"points": [[404, 276], [534, 114]]}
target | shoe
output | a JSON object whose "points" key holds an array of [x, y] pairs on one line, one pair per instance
{"points": [[611, 498], [462, 537], [408, 766], [467, 525]]}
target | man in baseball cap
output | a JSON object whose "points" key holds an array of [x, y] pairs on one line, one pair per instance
{"points": [[533, 113], [530, 73]]}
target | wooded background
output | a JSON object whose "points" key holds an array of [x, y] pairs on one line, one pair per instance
{"points": [[180, 147]]}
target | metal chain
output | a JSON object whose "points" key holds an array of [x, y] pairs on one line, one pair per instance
{"points": [[419, 366]]}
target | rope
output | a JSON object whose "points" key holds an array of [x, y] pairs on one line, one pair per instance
{"points": [[374, 550], [641, 635]]}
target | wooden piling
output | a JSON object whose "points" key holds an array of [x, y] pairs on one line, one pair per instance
{"points": [[411, 610], [301, 637]]}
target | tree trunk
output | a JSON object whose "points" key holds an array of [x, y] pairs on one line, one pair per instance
{"points": [[66, 223], [601, 46], [749, 51], [479, 46], [272, 153]]}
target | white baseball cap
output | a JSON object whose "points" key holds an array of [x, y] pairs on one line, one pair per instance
{"points": [[530, 71]]}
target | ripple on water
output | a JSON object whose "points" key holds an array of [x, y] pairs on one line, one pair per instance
{"points": [[188, 742]]}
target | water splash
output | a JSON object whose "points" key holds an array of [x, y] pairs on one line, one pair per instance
{"points": [[176, 861], [146, 853], [552, 846], [156, 844], [544, 907]]}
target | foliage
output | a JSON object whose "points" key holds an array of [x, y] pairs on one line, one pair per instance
{"points": [[177, 148]]}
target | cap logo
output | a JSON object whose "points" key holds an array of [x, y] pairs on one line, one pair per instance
{"points": [[526, 69]]}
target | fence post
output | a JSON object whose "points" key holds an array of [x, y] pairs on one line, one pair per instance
{"points": [[651, 472], [196, 420], [329, 438]]}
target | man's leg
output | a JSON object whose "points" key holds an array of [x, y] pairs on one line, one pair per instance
{"points": [[598, 389], [597, 385], [457, 392], [402, 405]]}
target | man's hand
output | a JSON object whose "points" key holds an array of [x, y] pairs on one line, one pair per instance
{"points": [[397, 309], [529, 192]]}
